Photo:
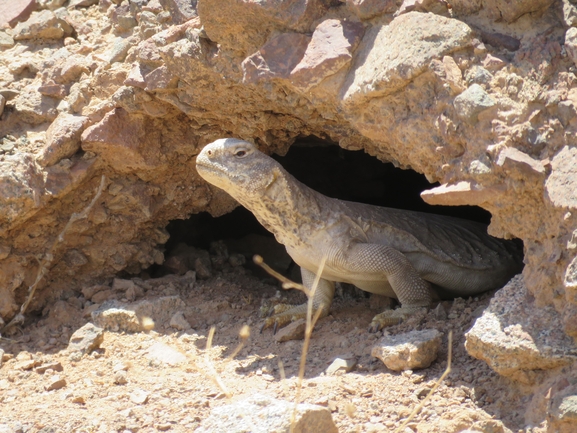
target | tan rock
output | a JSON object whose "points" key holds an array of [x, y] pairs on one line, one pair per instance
{"points": [[243, 27], [293, 331], [41, 25], [511, 11], [561, 185], [508, 336], [263, 413], [409, 351], [464, 193], [367, 9], [62, 139], [392, 55]]}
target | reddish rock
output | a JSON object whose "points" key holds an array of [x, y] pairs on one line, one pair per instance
{"points": [[244, 26], [180, 10], [160, 79], [53, 90], [366, 9], [121, 140], [276, 59], [14, 11], [330, 48], [62, 139], [135, 78], [513, 159]]}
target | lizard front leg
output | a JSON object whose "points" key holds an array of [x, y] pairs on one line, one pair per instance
{"points": [[322, 298], [380, 262]]}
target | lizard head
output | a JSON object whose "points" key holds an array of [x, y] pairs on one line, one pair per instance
{"points": [[237, 167]]}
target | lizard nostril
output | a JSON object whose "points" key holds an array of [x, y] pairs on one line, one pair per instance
{"points": [[209, 152]]}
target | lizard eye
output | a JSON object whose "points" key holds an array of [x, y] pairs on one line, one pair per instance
{"points": [[240, 153]]}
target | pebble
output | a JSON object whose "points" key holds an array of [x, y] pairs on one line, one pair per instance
{"points": [[54, 366], [55, 382], [86, 339], [293, 331], [139, 396]]}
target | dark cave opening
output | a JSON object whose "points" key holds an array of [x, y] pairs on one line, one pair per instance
{"points": [[325, 167]]}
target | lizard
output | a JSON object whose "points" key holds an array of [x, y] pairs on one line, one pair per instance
{"points": [[411, 256]]}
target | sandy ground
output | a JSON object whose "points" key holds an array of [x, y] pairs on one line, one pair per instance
{"points": [[135, 382]]}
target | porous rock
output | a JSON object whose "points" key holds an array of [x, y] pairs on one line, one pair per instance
{"points": [[131, 317], [86, 339], [409, 351], [510, 11], [244, 26], [472, 102], [262, 414], [41, 25], [276, 59], [367, 9], [392, 55], [508, 336]]}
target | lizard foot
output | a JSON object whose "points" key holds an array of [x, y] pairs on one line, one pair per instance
{"points": [[392, 317], [284, 314]]}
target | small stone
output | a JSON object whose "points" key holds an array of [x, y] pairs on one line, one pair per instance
{"points": [[26, 365], [122, 285], [104, 295], [54, 366], [121, 377], [62, 139], [566, 112], [179, 322], [340, 366], [409, 351], [6, 40], [164, 426], [163, 353], [260, 413], [78, 399], [293, 331], [493, 63], [53, 90], [55, 382], [472, 101], [139, 396], [236, 259], [81, 3], [86, 339]]}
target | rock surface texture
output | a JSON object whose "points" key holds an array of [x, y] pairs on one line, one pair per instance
{"points": [[478, 95]]}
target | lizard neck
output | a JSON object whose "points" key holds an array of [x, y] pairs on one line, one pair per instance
{"points": [[289, 209]]}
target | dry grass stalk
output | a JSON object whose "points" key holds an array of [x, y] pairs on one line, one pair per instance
{"points": [[49, 256], [212, 373], [433, 389]]}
